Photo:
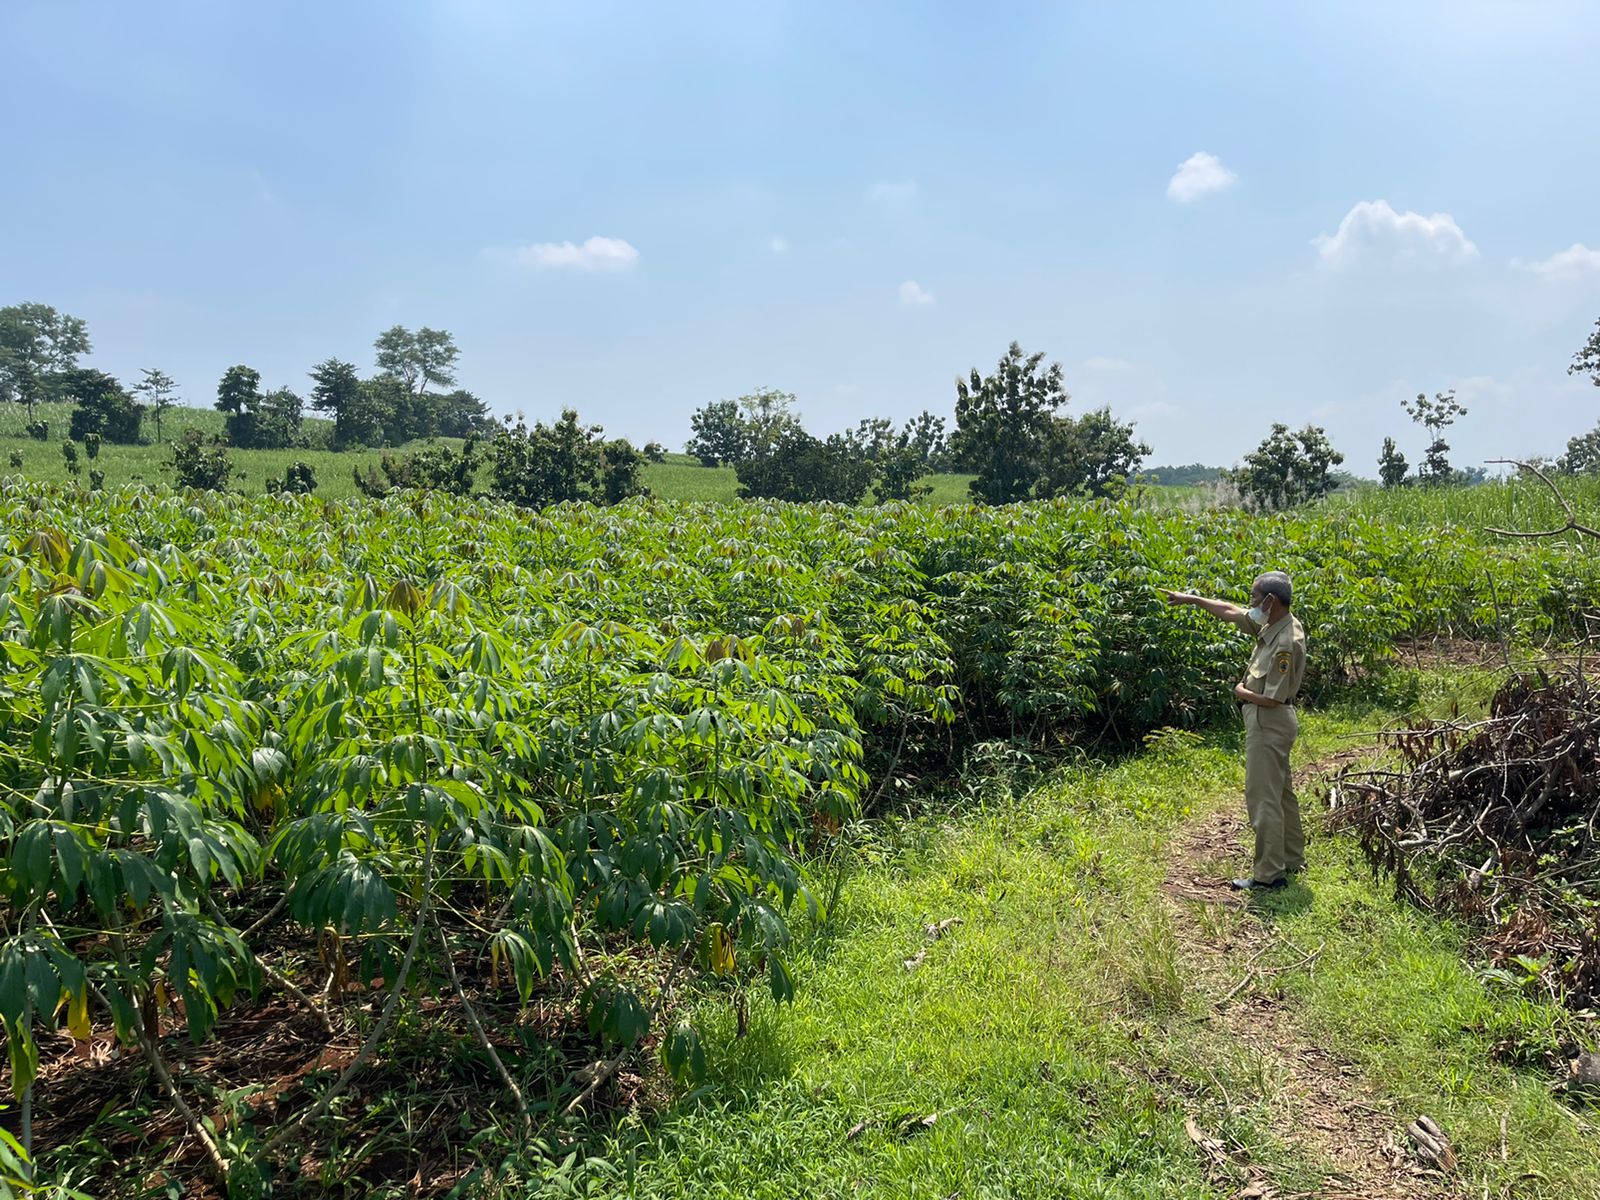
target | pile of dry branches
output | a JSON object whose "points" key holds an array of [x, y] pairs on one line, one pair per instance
{"points": [[1497, 821]]}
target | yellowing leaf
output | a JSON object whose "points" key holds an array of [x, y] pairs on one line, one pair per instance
{"points": [[266, 799], [404, 597], [78, 1015], [722, 961]]}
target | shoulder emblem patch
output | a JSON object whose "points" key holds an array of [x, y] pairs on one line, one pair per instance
{"points": [[1283, 660]]}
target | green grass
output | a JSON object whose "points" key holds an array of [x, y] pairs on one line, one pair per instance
{"points": [[1516, 503], [679, 477], [1058, 1036]]}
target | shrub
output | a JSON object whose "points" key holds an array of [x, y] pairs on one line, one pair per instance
{"points": [[101, 406], [199, 462], [298, 480], [554, 464], [435, 469], [798, 467], [1288, 468]]}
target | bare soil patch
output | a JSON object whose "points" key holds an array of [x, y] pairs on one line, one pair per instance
{"points": [[1315, 1099]]}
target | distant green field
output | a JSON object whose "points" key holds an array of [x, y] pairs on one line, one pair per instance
{"points": [[677, 477], [681, 477], [14, 422]]}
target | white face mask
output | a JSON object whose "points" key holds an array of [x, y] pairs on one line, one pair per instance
{"points": [[1257, 616]]}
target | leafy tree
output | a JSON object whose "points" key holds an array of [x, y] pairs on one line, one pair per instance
{"points": [[418, 359], [621, 471], [91, 445], [1587, 360], [925, 432], [416, 362], [655, 452], [566, 461], [199, 462], [460, 414], [277, 425], [898, 469], [901, 459], [337, 390], [718, 434], [436, 468], [1288, 468], [1435, 416], [769, 417], [1094, 454], [872, 438], [1391, 465], [101, 406], [1583, 454], [799, 467], [1002, 421], [269, 421], [239, 390], [387, 411], [69, 454], [38, 346], [159, 391], [732, 431], [239, 396]]}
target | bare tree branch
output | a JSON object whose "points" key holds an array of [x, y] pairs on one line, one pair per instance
{"points": [[1572, 525]]}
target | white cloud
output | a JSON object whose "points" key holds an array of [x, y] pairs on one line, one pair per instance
{"points": [[1577, 261], [1107, 364], [1374, 231], [596, 254], [894, 194], [1199, 175], [911, 293], [778, 244]]}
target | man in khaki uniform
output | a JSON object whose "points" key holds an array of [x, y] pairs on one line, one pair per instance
{"points": [[1266, 698]]}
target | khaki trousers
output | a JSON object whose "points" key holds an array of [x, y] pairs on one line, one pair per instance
{"points": [[1269, 796]]}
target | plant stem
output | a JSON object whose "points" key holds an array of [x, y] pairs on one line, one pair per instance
{"points": [[149, 1042], [384, 1018], [609, 1067], [477, 1026]]}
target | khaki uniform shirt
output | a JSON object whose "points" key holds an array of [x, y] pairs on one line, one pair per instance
{"points": [[1279, 662]]}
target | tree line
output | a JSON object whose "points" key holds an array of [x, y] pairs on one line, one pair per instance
{"points": [[411, 394], [1009, 431]]}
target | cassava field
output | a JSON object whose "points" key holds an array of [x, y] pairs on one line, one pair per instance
{"points": [[433, 847]]}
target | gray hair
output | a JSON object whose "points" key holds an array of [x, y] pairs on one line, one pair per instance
{"points": [[1276, 583]]}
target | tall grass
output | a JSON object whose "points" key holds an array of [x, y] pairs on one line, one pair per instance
{"points": [[1521, 503]]}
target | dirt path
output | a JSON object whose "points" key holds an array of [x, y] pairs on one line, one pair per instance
{"points": [[1314, 1099]]}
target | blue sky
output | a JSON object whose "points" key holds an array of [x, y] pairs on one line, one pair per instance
{"points": [[1215, 216]]}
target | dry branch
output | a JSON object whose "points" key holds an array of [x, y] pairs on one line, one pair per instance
{"points": [[1498, 822], [1572, 525]]}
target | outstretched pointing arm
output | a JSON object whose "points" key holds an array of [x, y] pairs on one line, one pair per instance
{"points": [[1221, 609]]}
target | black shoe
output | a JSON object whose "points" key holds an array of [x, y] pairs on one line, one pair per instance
{"points": [[1255, 885]]}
